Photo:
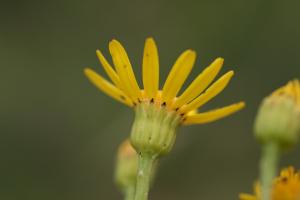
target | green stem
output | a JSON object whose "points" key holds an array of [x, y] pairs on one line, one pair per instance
{"points": [[268, 167], [129, 192], [145, 166]]}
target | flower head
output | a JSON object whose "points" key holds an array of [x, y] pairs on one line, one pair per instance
{"points": [[285, 187], [124, 87], [279, 115], [160, 111]]}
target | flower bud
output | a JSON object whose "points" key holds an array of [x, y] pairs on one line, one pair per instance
{"points": [[278, 118], [126, 166]]}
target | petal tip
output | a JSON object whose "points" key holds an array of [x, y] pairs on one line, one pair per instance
{"points": [[150, 39], [113, 42], [87, 71], [99, 54], [230, 73], [192, 53], [241, 105], [150, 42], [220, 60]]}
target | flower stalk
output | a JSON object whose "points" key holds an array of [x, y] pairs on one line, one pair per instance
{"points": [[129, 192], [268, 167], [145, 170]]}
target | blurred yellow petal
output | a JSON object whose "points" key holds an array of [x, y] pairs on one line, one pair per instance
{"points": [[287, 173], [108, 69], [286, 186], [210, 93], [107, 87], [213, 115], [297, 91], [257, 190], [247, 197], [291, 89], [124, 70], [178, 75], [200, 83], [150, 68]]}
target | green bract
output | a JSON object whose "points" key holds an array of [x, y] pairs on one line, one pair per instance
{"points": [[278, 120], [154, 129]]}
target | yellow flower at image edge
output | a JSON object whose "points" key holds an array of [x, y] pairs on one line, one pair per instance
{"points": [[124, 87], [285, 187]]}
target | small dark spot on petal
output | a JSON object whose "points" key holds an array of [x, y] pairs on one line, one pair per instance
{"points": [[164, 104], [152, 100], [176, 109], [284, 179], [122, 97]]}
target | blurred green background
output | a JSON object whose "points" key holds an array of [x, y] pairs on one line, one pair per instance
{"points": [[59, 134]]}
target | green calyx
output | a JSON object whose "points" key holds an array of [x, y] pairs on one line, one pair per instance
{"points": [[154, 129], [278, 120]]}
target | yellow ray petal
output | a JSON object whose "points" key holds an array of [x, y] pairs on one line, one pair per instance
{"points": [[200, 83], [213, 115], [210, 93], [124, 70], [257, 190], [150, 68], [107, 87], [297, 91], [247, 197], [178, 75], [289, 89], [108, 69]]}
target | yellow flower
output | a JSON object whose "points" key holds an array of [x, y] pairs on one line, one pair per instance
{"points": [[285, 187], [124, 87]]}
